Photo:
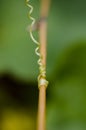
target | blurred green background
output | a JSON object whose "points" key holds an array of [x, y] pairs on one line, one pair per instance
{"points": [[66, 66]]}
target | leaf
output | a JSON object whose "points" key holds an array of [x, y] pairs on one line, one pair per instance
{"points": [[67, 107]]}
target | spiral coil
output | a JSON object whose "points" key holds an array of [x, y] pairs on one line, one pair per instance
{"points": [[42, 75]]}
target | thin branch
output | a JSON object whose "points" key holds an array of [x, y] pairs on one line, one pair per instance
{"points": [[41, 124]]}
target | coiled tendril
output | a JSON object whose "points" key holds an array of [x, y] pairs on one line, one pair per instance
{"points": [[42, 76]]}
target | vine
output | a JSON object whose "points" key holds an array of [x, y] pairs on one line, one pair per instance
{"points": [[42, 75]]}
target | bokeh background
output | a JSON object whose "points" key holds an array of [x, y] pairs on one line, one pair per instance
{"points": [[66, 66]]}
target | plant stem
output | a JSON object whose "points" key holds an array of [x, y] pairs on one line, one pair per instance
{"points": [[41, 123]]}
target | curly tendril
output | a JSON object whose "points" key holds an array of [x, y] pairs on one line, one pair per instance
{"points": [[42, 76]]}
